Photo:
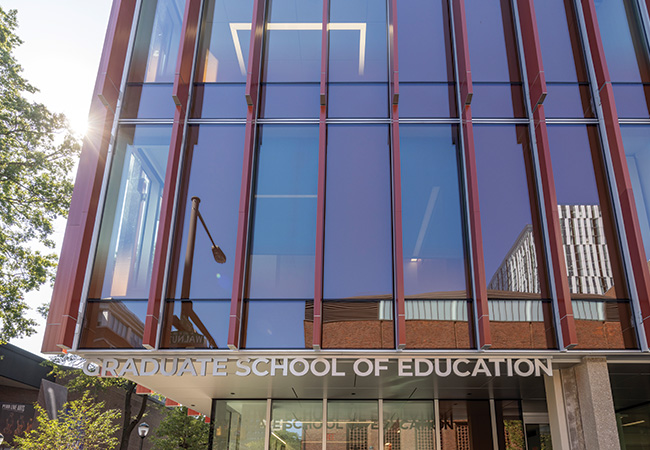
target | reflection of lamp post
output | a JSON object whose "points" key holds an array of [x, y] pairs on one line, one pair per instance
{"points": [[143, 430], [217, 253]]}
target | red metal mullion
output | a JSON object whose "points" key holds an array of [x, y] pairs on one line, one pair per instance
{"points": [[68, 288], [322, 169], [619, 165], [559, 275], [252, 92], [400, 322], [533, 52], [475, 237], [182, 84]]}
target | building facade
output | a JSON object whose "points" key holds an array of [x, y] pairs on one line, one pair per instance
{"points": [[365, 224]]}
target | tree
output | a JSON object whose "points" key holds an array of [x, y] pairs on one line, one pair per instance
{"points": [[178, 430], [37, 153], [66, 367], [82, 424]]}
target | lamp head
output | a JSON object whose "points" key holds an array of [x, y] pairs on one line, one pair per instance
{"points": [[218, 254], [143, 429]]}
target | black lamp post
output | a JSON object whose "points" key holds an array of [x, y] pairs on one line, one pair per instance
{"points": [[143, 430]]}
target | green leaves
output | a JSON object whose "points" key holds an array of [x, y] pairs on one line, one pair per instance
{"points": [[82, 424], [180, 431], [37, 153]]}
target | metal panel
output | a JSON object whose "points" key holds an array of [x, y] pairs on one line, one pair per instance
{"points": [[77, 242], [532, 51]]}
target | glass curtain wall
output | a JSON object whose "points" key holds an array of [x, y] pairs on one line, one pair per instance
{"points": [[121, 273], [153, 61]]}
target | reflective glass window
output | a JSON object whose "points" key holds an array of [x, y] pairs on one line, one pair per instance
{"points": [[514, 263], [566, 76], [409, 424], [126, 243], [153, 62], [426, 65], [432, 218], [279, 324], [353, 424], [586, 218], [636, 140], [296, 425], [113, 324], [283, 238], [604, 324], [239, 424], [292, 57], [358, 219], [211, 173], [469, 419], [439, 324], [220, 80], [358, 324], [196, 324], [494, 62], [358, 59], [627, 56]]}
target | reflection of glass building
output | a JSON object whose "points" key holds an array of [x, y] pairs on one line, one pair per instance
{"points": [[387, 179]]}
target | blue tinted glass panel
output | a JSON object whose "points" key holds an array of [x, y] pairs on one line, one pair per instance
{"points": [[358, 240], [585, 216], [498, 100], [349, 100], [570, 100], [126, 243], [222, 60], [358, 324], [219, 100], [623, 41], [212, 172], [225, 41], [432, 218], [281, 100], [292, 55], [156, 42], [636, 140], [632, 100], [202, 324], [357, 54], [113, 324], [493, 58], [510, 235], [279, 324], [148, 101], [283, 239], [427, 100]]}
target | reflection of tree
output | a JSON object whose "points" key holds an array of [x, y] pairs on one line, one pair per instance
{"points": [[284, 440]]}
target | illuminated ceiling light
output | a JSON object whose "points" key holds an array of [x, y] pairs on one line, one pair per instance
{"points": [[360, 27]]}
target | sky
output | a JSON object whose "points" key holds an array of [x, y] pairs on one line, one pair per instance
{"points": [[60, 55]]}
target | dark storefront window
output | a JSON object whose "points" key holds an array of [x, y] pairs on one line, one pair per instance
{"points": [[409, 425], [292, 57], [496, 77], [512, 243], [126, 244], [358, 60], [626, 51], [590, 241], [222, 59], [426, 65], [566, 76], [353, 425], [153, 62]]}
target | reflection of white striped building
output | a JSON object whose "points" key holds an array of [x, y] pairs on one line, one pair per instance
{"points": [[585, 251]]}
